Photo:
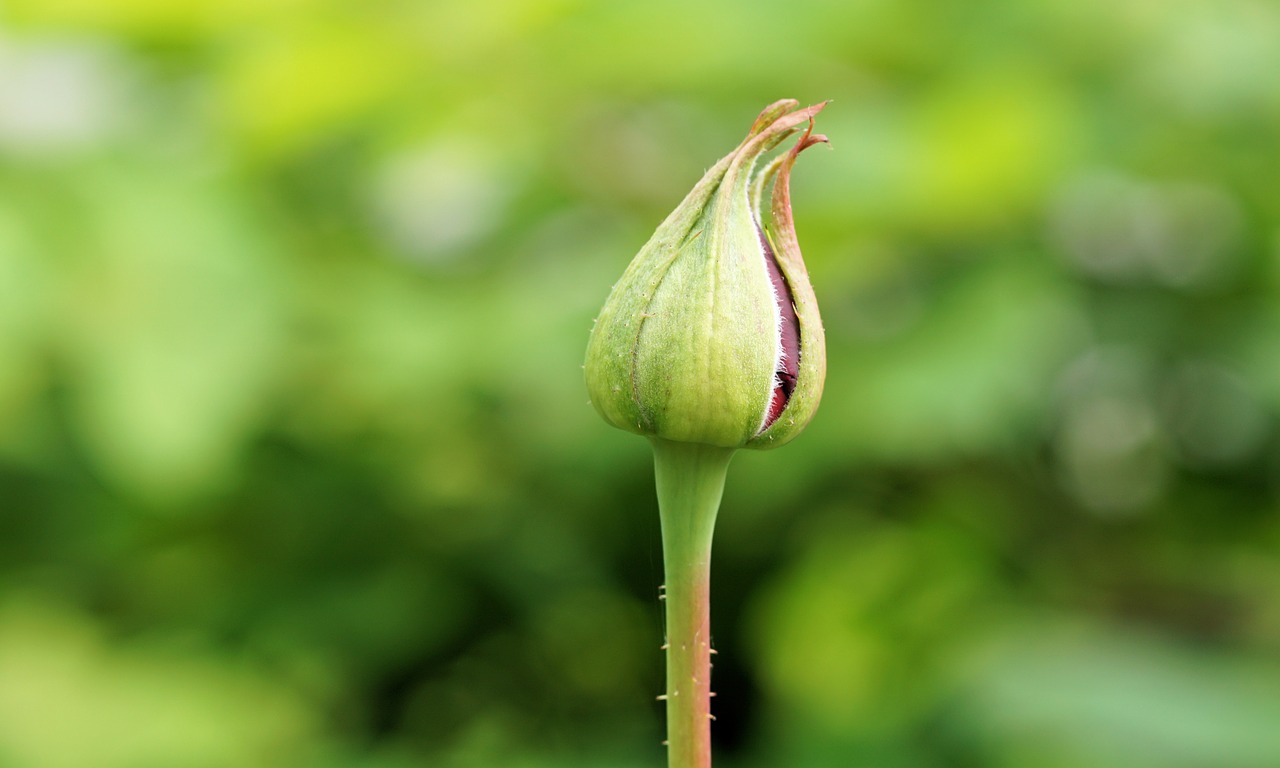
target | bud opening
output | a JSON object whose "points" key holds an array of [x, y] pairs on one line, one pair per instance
{"points": [[787, 366]]}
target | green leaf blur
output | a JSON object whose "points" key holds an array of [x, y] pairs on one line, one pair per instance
{"points": [[296, 463]]}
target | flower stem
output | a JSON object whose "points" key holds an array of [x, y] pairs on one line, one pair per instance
{"points": [[690, 480]]}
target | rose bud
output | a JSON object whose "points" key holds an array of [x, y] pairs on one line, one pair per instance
{"points": [[712, 335]]}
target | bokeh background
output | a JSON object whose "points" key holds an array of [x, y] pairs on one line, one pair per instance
{"points": [[297, 468]]}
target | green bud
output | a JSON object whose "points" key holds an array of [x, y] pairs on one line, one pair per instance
{"points": [[713, 335]]}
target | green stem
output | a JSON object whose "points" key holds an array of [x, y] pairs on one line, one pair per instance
{"points": [[690, 479]]}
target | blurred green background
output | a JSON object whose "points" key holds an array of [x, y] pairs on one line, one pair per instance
{"points": [[296, 463]]}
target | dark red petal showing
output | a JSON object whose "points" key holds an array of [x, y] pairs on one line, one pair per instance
{"points": [[776, 404], [789, 365]]}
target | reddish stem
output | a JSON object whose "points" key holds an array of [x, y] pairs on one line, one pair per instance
{"points": [[690, 480]]}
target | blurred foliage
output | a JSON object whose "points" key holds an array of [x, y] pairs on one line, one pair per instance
{"points": [[296, 466]]}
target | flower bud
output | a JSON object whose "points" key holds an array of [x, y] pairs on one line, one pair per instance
{"points": [[712, 334]]}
